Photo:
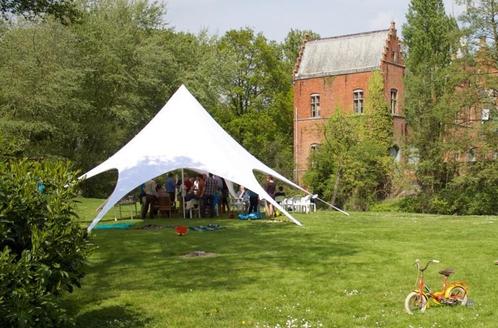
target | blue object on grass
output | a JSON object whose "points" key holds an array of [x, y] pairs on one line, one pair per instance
{"points": [[209, 227], [40, 186], [250, 216], [113, 226]]}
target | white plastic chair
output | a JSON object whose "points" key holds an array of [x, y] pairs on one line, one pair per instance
{"points": [[306, 204], [192, 206], [296, 204]]}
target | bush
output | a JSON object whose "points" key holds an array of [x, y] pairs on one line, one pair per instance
{"points": [[42, 247], [388, 205], [474, 193]]}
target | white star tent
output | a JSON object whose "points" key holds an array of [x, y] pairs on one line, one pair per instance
{"points": [[183, 135]]}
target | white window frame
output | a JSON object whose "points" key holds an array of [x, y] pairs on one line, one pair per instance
{"points": [[358, 101]]}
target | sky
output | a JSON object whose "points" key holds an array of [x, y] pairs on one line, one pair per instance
{"points": [[275, 18]]}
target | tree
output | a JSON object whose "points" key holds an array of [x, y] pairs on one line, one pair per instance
{"points": [[255, 70], [256, 98], [349, 168], [293, 43], [431, 40], [480, 19], [63, 10], [91, 85]]}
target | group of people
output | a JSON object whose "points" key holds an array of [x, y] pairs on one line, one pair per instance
{"points": [[208, 192], [151, 191], [250, 200]]}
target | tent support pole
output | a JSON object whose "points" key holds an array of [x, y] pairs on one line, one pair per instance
{"points": [[335, 208], [183, 193]]}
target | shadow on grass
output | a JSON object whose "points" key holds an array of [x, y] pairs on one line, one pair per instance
{"points": [[242, 251], [111, 316]]}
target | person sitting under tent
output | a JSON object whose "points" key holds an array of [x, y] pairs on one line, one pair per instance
{"points": [[163, 202], [280, 195], [242, 202]]}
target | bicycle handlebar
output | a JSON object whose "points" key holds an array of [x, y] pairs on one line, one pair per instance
{"points": [[417, 263]]}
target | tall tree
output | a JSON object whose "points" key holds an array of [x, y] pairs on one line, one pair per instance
{"points": [[430, 40], [81, 91], [480, 18], [255, 70], [256, 96]]}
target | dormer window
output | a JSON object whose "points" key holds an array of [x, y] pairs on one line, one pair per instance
{"points": [[358, 101], [315, 105]]}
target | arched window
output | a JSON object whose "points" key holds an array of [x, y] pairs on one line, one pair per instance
{"points": [[394, 101], [358, 101], [315, 105]]}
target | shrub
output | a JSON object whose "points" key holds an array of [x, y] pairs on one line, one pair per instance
{"points": [[42, 247], [388, 205], [472, 193]]}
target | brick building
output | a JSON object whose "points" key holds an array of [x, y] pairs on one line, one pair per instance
{"points": [[333, 73]]}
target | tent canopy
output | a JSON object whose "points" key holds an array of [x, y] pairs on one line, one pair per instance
{"points": [[183, 135]]}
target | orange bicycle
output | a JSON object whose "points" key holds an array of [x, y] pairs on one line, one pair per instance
{"points": [[452, 292]]}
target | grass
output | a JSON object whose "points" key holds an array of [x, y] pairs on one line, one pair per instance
{"points": [[337, 271]]}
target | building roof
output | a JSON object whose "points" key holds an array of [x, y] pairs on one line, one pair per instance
{"points": [[342, 54]]}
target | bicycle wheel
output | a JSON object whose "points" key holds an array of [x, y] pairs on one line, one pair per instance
{"points": [[458, 294], [415, 302]]}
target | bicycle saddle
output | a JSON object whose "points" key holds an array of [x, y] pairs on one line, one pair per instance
{"points": [[447, 272]]}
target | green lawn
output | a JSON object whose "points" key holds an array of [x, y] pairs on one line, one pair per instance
{"points": [[337, 271]]}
